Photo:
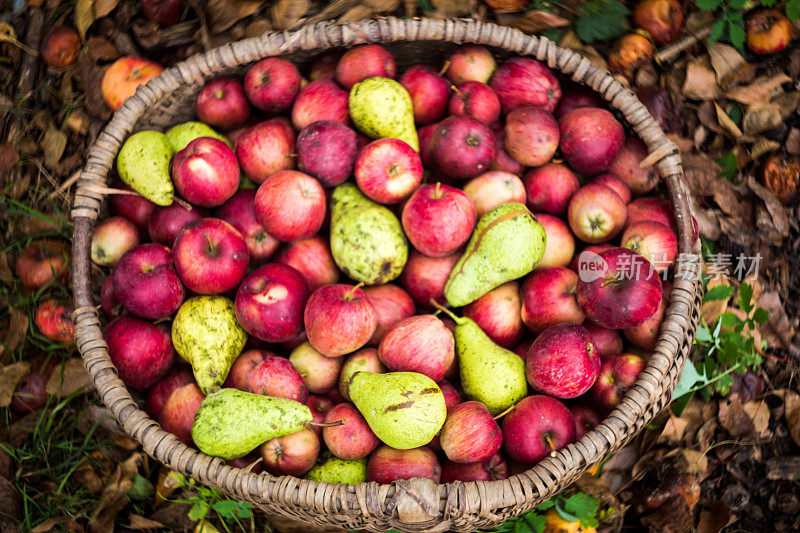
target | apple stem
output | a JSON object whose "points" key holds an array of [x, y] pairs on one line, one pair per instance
{"points": [[444, 68], [353, 290], [504, 413], [437, 191], [458, 93], [550, 443], [440, 307], [292, 154], [326, 424], [210, 244]]}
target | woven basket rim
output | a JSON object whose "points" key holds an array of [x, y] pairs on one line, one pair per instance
{"points": [[520, 491]]}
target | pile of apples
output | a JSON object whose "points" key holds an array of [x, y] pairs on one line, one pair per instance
{"points": [[248, 223]]}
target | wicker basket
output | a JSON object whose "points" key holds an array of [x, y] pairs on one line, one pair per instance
{"points": [[419, 504]]}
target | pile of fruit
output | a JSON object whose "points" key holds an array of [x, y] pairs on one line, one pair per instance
{"points": [[427, 318]]}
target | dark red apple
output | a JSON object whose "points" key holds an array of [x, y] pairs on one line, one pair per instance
{"points": [[146, 283], [291, 455], [319, 372], [290, 205], [425, 277], [362, 62], [387, 465], [586, 419], [141, 352], [54, 320], [391, 304], [550, 187], [607, 342], [470, 62], [319, 407], [242, 368], [614, 184], [429, 92], [418, 344], [559, 242], [206, 172], [493, 189], [30, 393], [626, 166], [425, 134], [491, 469], [521, 82], [166, 222], [222, 103], [327, 150], [531, 136], [584, 258], [388, 170], [497, 313], [562, 361], [438, 219], [252, 462], [111, 238], [158, 393], [351, 440], [470, 434], [240, 213], [210, 256], [463, 147], [277, 377], [323, 66], [596, 213], [645, 335], [164, 12], [619, 289], [177, 414], [272, 84], [548, 298], [312, 258], [475, 99], [591, 138], [537, 427], [502, 159], [650, 209], [339, 319], [617, 374], [320, 100], [654, 241], [108, 298], [61, 47], [522, 349], [266, 148], [134, 207], [574, 96], [365, 360], [451, 395]]}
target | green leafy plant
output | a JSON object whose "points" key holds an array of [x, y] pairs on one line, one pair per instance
{"points": [[600, 20], [204, 500], [729, 26], [579, 507]]}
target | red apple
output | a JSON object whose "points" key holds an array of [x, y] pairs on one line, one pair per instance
{"points": [[619, 289], [339, 319], [277, 377], [210, 256], [491, 469], [475, 99], [270, 302], [327, 150], [239, 211], [362, 62], [242, 368], [177, 414], [626, 167], [221, 103], [124, 76], [42, 262], [141, 352], [54, 321], [272, 84], [290, 205], [470, 62], [463, 147], [586, 419], [548, 298], [61, 47], [502, 160], [351, 440], [645, 335], [531, 136], [617, 375], [562, 361], [607, 342], [521, 82], [387, 465], [650, 209], [522, 349], [391, 304], [559, 242], [206, 172], [319, 407], [614, 184], [291, 455], [451, 396], [470, 434], [111, 238], [574, 96], [418, 344], [319, 372], [146, 283], [654, 241], [590, 139], [166, 222], [366, 360], [265, 149], [425, 134], [30, 393], [134, 207], [537, 427], [596, 213], [583, 259], [159, 393], [550, 187], [662, 19], [425, 277], [312, 258], [497, 313], [494, 188], [323, 66], [438, 219], [108, 298], [320, 100], [429, 92], [388, 170], [252, 462], [164, 12]]}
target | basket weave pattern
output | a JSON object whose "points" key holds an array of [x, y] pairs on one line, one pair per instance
{"points": [[416, 505]]}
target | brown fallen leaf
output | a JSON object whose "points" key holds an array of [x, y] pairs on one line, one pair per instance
{"points": [[87, 11], [222, 14], [140, 523], [69, 378], [779, 213], [778, 331], [734, 419], [8, 158], [14, 334], [673, 516], [286, 13], [9, 377], [729, 65], [727, 123], [451, 8], [760, 90], [787, 102], [10, 506], [758, 411], [791, 411], [570, 40], [785, 468], [101, 49], [536, 21], [53, 144], [701, 82], [793, 141], [763, 146], [50, 524], [760, 118], [715, 519], [356, 13]]}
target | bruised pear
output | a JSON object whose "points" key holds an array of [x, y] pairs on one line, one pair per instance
{"points": [[205, 333], [143, 164], [508, 243], [181, 135], [367, 240], [331, 469], [381, 108]]}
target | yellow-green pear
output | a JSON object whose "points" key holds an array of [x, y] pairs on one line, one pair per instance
{"points": [[404, 409], [331, 469], [231, 423], [381, 107], [182, 134], [143, 163], [205, 333], [508, 243]]}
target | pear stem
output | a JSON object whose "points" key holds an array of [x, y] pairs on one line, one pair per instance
{"points": [[440, 307], [444, 68], [504, 413], [349, 295], [326, 424]]}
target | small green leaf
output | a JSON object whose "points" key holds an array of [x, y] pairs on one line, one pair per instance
{"points": [[717, 29], [583, 507], [729, 320], [793, 10], [141, 488], [760, 316], [600, 20], [703, 334], [736, 32], [736, 4], [746, 297], [728, 163], [231, 509], [690, 377], [545, 505], [708, 5], [718, 293], [198, 511]]}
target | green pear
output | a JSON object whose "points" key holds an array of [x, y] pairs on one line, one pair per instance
{"points": [[490, 374], [231, 423], [182, 134], [143, 163], [331, 469], [508, 243], [367, 240], [381, 107], [404, 409], [205, 333]]}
